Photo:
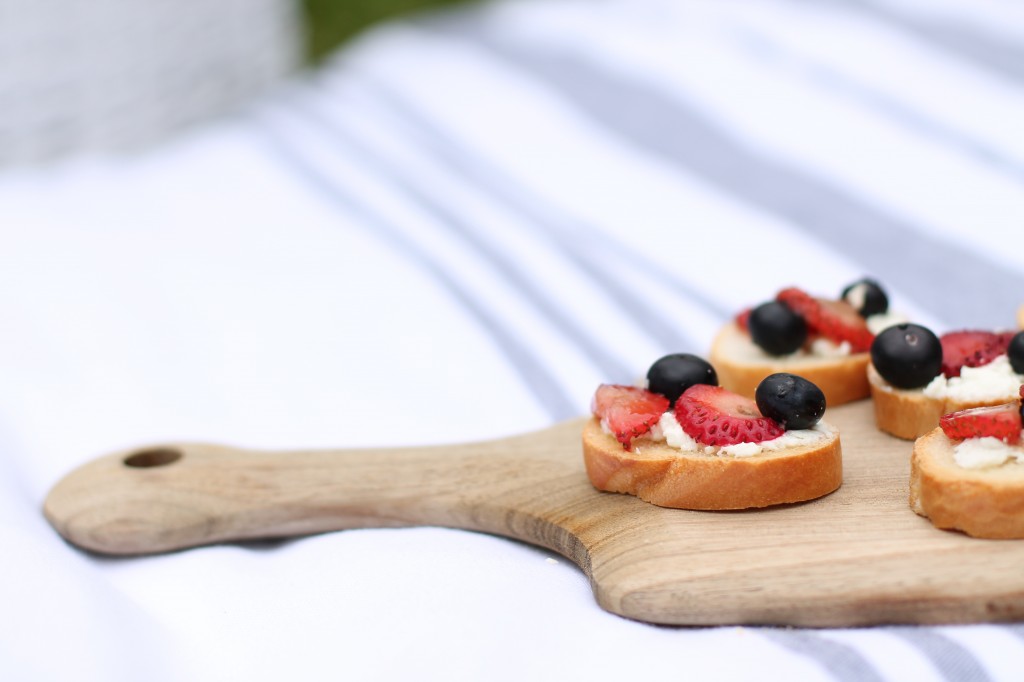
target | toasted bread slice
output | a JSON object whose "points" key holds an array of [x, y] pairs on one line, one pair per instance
{"points": [[984, 503], [909, 413], [669, 477], [741, 365]]}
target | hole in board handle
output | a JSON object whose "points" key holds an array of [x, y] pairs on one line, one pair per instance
{"points": [[155, 457]]}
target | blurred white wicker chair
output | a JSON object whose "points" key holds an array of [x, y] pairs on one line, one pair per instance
{"points": [[114, 75]]}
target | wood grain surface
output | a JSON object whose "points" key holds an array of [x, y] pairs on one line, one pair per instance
{"points": [[859, 556]]}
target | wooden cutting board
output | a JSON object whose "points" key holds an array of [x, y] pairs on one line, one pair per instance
{"points": [[856, 557]]}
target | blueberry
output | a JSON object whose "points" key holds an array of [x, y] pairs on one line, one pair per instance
{"points": [[1016, 352], [867, 296], [907, 355], [776, 328], [673, 374], [792, 401]]}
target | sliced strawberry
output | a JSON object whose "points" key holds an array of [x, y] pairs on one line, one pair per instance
{"points": [[837, 321], [630, 412], [743, 318], [997, 421], [714, 416], [1004, 338], [971, 348]]}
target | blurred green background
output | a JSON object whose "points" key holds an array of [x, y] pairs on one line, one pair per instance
{"points": [[331, 22]]}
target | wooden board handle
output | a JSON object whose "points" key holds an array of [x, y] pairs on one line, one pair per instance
{"points": [[859, 556], [182, 495]]}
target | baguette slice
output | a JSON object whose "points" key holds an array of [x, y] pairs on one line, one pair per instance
{"points": [[909, 413], [741, 365], [984, 503], [668, 477]]}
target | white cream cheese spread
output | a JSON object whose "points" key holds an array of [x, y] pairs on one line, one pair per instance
{"points": [[857, 295], [876, 323], [985, 453], [826, 348], [669, 430], [882, 321], [743, 349], [994, 381]]}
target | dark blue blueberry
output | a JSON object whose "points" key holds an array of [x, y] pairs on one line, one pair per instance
{"points": [[792, 401], [907, 355], [776, 328], [673, 374], [875, 301], [1015, 352]]}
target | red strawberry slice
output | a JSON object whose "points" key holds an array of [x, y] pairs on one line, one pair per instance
{"points": [[1005, 338], [971, 348], [743, 319], [997, 421], [837, 321], [714, 416], [630, 412]]}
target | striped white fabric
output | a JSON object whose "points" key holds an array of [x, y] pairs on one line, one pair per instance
{"points": [[455, 231]]}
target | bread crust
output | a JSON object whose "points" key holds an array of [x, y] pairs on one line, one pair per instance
{"points": [[983, 503], [909, 413], [741, 366], [668, 477]]}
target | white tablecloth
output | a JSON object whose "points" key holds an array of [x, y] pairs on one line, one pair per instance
{"points": [[456, 231]]}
